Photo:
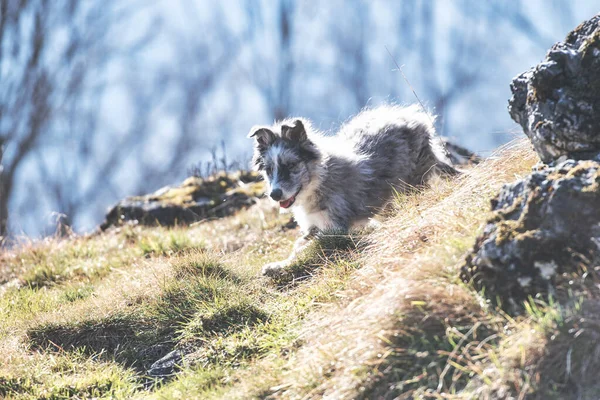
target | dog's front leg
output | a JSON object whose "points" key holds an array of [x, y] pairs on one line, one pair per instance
{"points": [[275, 268]]}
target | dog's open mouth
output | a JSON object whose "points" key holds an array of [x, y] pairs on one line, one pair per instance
{"points": [[288, 203]]}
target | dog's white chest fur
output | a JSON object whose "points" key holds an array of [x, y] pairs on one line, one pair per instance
{"points": [[319, 219]]}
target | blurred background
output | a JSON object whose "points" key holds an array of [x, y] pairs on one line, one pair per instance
{"points": [[109, 98]]}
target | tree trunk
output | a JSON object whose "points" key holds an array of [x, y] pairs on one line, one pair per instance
{"points": [[3, 201]]}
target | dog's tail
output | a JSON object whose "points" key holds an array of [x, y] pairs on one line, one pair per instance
{"points": [[442, 168], [433, 158], [443, 164]]}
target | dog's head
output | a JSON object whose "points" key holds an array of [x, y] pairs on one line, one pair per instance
{"points": [[286, 157]]}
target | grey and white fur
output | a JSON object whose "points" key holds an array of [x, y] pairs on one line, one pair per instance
{"points": [[335, 183]]}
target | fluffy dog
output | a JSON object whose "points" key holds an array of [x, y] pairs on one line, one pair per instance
{"points": [[335, 183]]}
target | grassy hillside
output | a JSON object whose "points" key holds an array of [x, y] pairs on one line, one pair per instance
{"points": [[376, 315]]}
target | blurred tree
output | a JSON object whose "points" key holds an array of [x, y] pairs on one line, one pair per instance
{"points": [[3, 205], [103, 133], [186, 89], [350, 37], [52, 54], [26, 85], [103, 99], [272, 64]]}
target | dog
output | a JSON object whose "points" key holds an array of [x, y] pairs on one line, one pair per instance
{"points": [[337, 183]]}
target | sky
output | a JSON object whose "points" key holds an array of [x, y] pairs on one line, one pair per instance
{"points": [[477, 119]]}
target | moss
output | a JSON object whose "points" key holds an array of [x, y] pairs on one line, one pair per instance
{"points": [[196, 199], [179, 195], [589, 44], [549, 226], [594, 188], [533, 96], [575, 33], [511, 230], [581, 168], [506, 231], [584, 167], [505, 212], [211, 189]]}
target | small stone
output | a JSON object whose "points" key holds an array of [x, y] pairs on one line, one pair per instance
{"points": [[167, 365]]}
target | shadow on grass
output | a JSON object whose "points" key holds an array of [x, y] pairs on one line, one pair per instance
{"points": [[135, 343], [569, 366], [327, 248], [232, 319], [424, 349], [201, 294], [12, 386], [17, 387]]}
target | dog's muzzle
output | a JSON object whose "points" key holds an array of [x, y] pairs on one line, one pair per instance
{"points": [[289, 202], [276, 194]]}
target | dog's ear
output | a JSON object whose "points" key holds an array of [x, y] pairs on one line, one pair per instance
{"points": [[295, 133], [263, 135]]}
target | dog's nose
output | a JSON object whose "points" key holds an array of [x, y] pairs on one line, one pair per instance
{"points": [[276, 194]]}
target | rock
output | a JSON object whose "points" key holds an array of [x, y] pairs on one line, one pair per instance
{"points": [[557, 102], [196, 199], [167, 365], [544, 237]]}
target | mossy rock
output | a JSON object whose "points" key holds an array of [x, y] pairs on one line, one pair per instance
{"points": [[557, 102], [195, 199], [543, 239]]}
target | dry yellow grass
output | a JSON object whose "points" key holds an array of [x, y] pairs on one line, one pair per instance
{"points": [[410, 272], [389, 320]]}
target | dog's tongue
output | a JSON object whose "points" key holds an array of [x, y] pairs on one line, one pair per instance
{"points": [[287, 203]]}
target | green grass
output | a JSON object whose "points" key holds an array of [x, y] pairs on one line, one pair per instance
{"points": [[105, 330], [87, 259], [370, 315], [67, 377], [327, 247], [167, 245]]}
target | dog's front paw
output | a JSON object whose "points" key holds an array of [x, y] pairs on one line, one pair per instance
{"points": [[274, 269]]}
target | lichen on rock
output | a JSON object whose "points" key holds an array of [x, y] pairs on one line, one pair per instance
{"points": [[557, 102], [543, 238]]}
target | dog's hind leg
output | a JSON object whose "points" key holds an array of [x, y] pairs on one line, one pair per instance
{"points": [[432, 162]]}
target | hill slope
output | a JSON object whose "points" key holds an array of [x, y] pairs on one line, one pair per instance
{"points": [[377, 315]]}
